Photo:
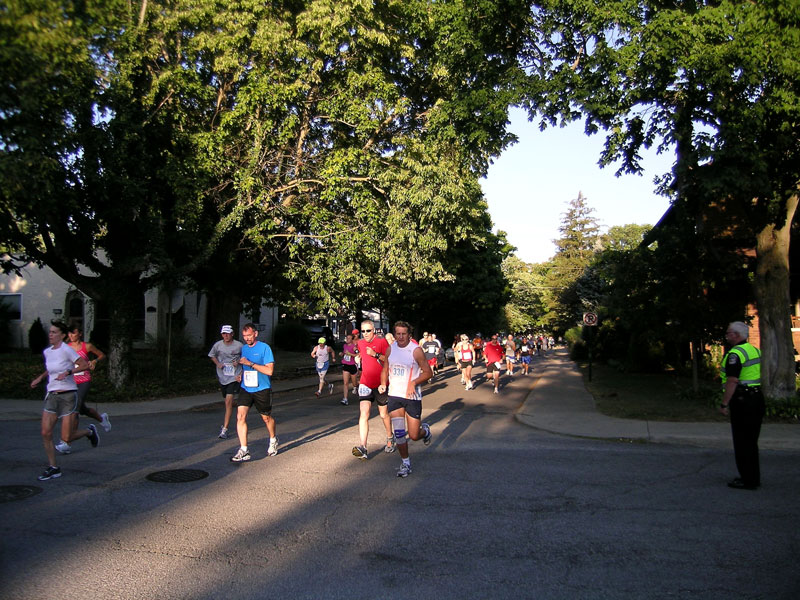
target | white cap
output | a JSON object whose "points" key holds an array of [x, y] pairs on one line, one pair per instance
{"points": [[226, 329]]}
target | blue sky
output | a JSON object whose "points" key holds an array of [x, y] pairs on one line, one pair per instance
{"points": [[529, 186]]}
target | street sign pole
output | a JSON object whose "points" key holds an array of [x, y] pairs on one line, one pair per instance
{"points": [[590, 321]]}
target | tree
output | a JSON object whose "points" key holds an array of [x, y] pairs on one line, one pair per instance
{"points": [[304, 142], [574, 252], [717, 80]]}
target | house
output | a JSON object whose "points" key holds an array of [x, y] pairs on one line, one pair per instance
{"points": [[40, 293]]}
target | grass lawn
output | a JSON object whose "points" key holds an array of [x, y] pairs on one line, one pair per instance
{"points": [[189, 374], [661, 397]]}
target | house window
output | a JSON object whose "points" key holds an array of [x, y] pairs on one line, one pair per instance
{"points": [[12, 304]]}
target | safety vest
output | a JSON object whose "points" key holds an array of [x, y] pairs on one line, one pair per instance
{"points": [[750, 357]]}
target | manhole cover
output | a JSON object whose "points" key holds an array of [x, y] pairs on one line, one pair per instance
{"points": [[177, 475], [9, 493]]}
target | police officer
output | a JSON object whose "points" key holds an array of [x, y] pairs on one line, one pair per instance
{"points": [[741, 378]]}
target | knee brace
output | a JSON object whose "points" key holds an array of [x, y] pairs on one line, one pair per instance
{"points": [[399, 427]]}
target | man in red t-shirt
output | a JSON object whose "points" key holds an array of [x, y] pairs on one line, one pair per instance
{"points": [[493, 352], [372, 388]]}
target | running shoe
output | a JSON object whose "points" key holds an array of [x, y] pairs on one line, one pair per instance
{"points": [[317, 394], [50, 473], [469, 385], [330, 389], [273, 447], [391, 445], [344, 401], [360, 452], [496, 391], [94, 438], [404, 470], [223, 433], [428, 435], [105, 423], [241, 456], [63, 447]]}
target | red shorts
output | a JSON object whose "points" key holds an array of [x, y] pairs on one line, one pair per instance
{"points": [[433, 362]]}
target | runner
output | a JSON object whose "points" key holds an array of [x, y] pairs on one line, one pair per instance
{"points": [[525, 351], [511, 355], [407, 370], [374, 379], [61, 399], [258, 364], [431, 349], [465, 358], [349, 368], [83, 379], [225, 354], [324, 355], [493, 352]]}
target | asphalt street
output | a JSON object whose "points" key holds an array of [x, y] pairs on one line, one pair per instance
{"points": [[493, 509]]}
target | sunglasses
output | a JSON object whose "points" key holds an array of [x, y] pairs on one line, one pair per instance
{"points": [[366, 330]]}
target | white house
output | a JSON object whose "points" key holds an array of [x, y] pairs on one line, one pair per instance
{"points": [[40, 293]]}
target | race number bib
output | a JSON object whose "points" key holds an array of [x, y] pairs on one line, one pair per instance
{"points": [[364, 390], [251, 378], [228, 369]]}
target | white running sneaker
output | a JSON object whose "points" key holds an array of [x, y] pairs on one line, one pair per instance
{"points": [[330, 389], [344, 401], [63, 447], [223, 433], [496, 391], [428, 435], [404, 470], [273, 447], [241, 456], [105, 423]]}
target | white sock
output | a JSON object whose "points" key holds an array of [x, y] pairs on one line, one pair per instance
{"points": [[407, 462]]}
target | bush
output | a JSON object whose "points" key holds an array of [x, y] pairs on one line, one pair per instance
{"points": [[787, 409], [37, 337], [292, 336], [578, 350]]}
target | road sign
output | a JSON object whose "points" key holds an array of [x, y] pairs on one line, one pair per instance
{"points": [[590, 319]]}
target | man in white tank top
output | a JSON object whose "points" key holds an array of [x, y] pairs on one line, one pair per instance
{"points": [[408, 369]]}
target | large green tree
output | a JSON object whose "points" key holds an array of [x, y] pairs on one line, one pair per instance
{"points": [[716, 80], [322, 147]]}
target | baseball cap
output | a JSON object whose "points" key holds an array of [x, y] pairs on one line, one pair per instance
{"points": [[226, 329], [321, 341], [355, 332]]}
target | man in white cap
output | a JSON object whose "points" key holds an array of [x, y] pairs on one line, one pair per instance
{"points": [[225, 355], [324, 355]]}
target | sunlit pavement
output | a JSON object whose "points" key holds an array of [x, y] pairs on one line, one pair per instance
{"points": [[493, 509]]}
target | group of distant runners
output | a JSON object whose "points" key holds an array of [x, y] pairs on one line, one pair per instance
{"points": [[387, 371]]}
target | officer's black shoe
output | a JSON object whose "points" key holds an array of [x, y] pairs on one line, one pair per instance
{"points": [[738, 484]]}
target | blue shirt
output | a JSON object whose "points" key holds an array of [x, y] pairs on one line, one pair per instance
{"points": [[261, 354]]}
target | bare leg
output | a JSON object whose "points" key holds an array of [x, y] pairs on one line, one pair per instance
{"points": [[241, 425], [228, 410], [48, 423], [270, 423], [363, 421]]}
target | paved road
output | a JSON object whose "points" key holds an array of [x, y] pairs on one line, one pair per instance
{"points": [[494, 509]]}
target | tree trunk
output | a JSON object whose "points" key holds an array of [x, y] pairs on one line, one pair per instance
{"points": [[120, 344], [774, 306]]}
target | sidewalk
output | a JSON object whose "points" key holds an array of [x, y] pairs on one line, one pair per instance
{"points": [[557, 403]]}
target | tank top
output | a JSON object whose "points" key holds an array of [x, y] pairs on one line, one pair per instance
{"points": [[466, 354], [322, 356], [403, 369], [82, 376], [352, 349]]}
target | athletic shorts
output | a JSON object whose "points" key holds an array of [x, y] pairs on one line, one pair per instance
{"points": [[261, 399], [83, 389], [413, 407], [61, 403], [465, 363], [349, 368], [230, 388], [433, 361], [493, 367], [526, 360], [368, 394], [511, 359]]}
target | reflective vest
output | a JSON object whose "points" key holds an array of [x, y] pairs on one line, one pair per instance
{"points": [[750, 357]]}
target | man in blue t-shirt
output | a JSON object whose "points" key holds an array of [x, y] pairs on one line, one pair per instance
{"points": [[256, 390]]}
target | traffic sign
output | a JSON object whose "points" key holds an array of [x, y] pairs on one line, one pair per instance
{"points": [[590, 319]]}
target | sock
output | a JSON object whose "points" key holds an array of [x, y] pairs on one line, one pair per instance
{"points": [[407, 462], [273, 439], [244, 448]]}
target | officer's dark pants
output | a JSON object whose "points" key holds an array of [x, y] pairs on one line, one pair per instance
{"points": [[747, 413]]}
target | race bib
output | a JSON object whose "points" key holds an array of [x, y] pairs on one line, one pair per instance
{"points": [[228, 369], [363, 390], [498, 365], [320, 365], [251, 378]]}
